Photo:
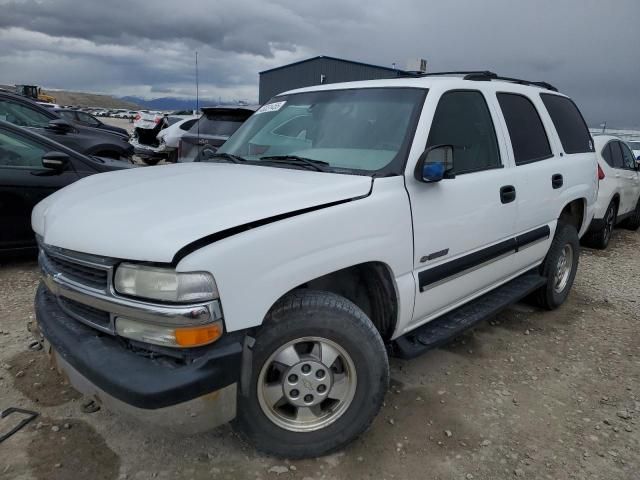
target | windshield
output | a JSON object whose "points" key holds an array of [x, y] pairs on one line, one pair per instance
{"points": [[364, 130]]}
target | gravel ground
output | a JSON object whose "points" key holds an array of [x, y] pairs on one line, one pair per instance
{"points": [[531, 394]]}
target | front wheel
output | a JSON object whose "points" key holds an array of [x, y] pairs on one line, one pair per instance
{"points": [[560, 267], [318, 377]]}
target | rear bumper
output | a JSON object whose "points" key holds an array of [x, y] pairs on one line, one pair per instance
{"points": [[150, 387]]}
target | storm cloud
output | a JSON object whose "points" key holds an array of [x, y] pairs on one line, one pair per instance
{"points": [[587, 48]]}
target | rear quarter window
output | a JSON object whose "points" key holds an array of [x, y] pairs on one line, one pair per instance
{"points": [[570, 125], [528, 136]]}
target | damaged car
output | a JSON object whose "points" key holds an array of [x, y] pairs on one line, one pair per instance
{"points": [[147, 126]]}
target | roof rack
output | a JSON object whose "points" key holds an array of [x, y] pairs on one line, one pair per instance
{"points": [[486, 76]]}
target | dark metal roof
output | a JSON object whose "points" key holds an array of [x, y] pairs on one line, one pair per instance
{"points": [[335, 59]]}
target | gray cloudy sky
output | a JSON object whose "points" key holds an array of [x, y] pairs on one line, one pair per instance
{"points": [[589, 49]]}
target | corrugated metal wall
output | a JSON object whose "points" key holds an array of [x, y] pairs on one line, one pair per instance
{"points": [[306, 74]]}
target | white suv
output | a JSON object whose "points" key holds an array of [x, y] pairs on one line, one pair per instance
{"points": [[340, 223], [619, 191]]}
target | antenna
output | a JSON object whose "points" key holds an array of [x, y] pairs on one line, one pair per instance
{"points": [[197, 86]]}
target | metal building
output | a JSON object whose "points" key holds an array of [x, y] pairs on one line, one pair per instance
{"points": [[319, 70]]}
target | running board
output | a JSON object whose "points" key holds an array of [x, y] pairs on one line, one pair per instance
{"points": [[445, 328]]}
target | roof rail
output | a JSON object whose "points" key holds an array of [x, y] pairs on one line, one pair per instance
{"points": [[488, 76], [484, 76], [433, 74]]}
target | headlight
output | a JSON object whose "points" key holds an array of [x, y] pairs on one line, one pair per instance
{"points": [[164, 284]]}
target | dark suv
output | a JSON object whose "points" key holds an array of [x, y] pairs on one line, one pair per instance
{"points": [[211, 130], [90, 141]]}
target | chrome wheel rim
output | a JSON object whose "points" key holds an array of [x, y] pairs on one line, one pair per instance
{"points": [[563, 269], [307, 384], [608, 224]]}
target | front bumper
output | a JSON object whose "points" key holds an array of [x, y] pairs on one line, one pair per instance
{"points": [[151, 387]]}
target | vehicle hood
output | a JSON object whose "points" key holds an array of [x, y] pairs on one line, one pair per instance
{"points": [[148, 214]]}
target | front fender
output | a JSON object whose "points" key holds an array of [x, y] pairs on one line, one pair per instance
{"points": [[253, 269]]}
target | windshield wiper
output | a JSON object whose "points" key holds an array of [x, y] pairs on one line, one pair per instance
{"points": [[317, 165], [226, 156]]}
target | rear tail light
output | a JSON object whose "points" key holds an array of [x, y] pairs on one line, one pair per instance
{"points": [[157, 120], [137, 117], [601, 174]]}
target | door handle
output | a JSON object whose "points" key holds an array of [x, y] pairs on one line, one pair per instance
{"points": [[556, 180], [507, 194]]}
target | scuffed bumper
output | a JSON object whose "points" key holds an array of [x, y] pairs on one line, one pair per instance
{"points": [[191, 396]]}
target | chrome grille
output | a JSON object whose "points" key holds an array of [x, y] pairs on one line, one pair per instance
{"points": [[79, 273], [86, 314]]}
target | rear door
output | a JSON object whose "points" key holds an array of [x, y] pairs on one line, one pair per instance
{"points": [[630, 177], [23, 183], [463, 226], [538, 171]]}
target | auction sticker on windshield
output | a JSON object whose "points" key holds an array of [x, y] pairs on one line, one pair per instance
{"points": [[271, 107]]}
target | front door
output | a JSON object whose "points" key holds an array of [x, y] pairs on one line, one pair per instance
{"points": [[23, 183], [463, 226]]}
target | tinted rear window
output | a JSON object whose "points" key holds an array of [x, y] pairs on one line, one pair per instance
{"points": [[570, 125], [217, 124], [528, 137]]}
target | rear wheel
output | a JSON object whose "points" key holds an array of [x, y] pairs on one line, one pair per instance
{"points": [[600, 238], [560, 267], [318, 377], [633, 222]]}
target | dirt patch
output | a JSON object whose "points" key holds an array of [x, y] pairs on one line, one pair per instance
{"points": [[39, 381], [70, 449]]}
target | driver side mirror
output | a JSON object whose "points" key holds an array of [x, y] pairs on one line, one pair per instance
{"points": [[60, 126], [57, 161], [435, 164]]}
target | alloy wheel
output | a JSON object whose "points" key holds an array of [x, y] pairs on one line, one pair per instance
{"points": [[307, 384]]}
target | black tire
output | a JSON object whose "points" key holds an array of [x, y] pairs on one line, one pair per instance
{"points": [[549, 297], [633, 222], [306, 313], [599, 239]]}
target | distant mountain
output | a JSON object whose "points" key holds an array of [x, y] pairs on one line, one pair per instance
{"points": [[169, 103]]}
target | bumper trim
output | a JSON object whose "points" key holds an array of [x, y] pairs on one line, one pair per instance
{"points": [[145, 382]]}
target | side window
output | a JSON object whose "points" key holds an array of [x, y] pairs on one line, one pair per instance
{"points": [[20, 152], [88, 119], [571, 127], [627, 156], [528, 136], [22, 115], [616, 155], [606, 154], [462, 119], [70, 116]]}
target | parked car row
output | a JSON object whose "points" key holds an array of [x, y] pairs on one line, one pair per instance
{"points": [[184, 137]]}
